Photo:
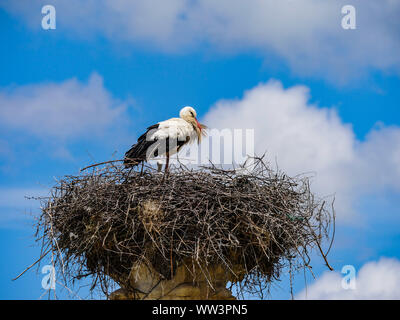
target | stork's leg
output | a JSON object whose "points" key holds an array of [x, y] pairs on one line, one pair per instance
{"points": [[141, 171], [166, 165]]}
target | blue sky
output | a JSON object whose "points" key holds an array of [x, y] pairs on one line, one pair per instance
{"points": [[132, 69]]}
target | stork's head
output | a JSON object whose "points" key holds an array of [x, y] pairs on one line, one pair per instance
{"points": [[189, 114]]}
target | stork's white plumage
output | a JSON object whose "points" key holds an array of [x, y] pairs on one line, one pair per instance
{"points": [[165, 138]]}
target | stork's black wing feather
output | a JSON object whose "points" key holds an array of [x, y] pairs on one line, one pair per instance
{"points": [[137, 153]]}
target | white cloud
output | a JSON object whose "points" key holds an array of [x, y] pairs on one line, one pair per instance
{"points": [[305, 33], [306, 138], [60, 110], [375, 280], [380, 158]]}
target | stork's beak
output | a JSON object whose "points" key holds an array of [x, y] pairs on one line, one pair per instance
{"points": [[198, 125]]}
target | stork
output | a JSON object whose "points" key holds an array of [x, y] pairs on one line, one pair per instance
{"points": [[165, 138]]}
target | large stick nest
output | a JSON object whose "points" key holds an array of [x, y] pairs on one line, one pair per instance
{"points": [[107, 219]]}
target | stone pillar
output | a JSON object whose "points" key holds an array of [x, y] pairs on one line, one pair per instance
{"points": [[187, 284]]}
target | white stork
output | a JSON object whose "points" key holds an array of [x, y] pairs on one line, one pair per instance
{"points": [[165, 138]]}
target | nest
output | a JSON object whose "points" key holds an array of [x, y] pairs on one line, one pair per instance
{"points": [[102, 222]]}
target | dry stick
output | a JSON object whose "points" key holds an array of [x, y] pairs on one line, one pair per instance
{"points": [[99, 164], [318, 244], [334, 227], [32, 264], [70, 291]]}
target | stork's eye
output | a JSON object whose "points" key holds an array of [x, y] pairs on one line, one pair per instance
{"points": [[191, 112]]}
